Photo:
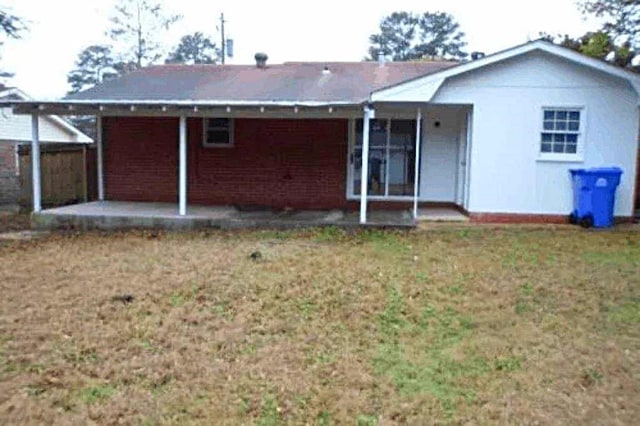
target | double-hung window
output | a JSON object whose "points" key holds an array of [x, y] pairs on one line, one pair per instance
{"points": [[218, 132], [561, 135]]}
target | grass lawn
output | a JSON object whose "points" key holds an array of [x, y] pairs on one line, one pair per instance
{"points": [[452, 325]]}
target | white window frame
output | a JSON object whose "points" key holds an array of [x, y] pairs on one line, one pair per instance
{"points": [[351, 195], [581, 134], [231, 130]]}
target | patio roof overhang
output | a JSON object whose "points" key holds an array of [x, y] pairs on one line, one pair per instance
{"points": [[183, 109], [179, 107]]}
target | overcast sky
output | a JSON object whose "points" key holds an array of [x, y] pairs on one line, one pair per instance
{"points": [[286, 30]]}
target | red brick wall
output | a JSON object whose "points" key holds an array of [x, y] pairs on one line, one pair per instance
{"points": [[7, 157], [9, 182], [141, 159], [276, 163]]}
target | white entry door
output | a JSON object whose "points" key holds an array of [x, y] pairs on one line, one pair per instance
{"points": [[464, 146]]}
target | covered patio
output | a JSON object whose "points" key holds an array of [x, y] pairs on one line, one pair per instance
{"points": [[306, 158], [186, 213]]}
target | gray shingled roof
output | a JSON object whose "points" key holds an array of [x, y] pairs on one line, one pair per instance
{"points": [[343, 83]]}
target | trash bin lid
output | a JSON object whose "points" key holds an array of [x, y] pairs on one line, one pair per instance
{"points": [[597, 171], [606, 170]]}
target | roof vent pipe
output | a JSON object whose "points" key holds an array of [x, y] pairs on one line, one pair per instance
{"points": [[381, 59], [261, 60], [477, 55]]}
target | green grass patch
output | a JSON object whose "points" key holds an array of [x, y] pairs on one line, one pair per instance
{"points": [[387, 242], [628, 255], [185, 295], [427, 367], [508, 364], [97, 393], [307, 308], [177, 299], [366, 420], [330, 234], [626, 313], [149, 346], [6, 366], [526, 300], [269, 412], [422, 278], [223, 309], [592, 377], [323, 419], [271, 234]]}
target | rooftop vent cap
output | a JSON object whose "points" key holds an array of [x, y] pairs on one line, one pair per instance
{"points": [[477, 55], [261, 60], [381, 59], [326, 70]]}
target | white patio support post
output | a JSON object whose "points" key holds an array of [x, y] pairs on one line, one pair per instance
{"points": [[364, 179], [182, 168], [35, 164], [416, 173], [100, 158]]}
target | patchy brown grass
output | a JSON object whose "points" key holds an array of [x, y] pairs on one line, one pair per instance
{"points": [[14, 222], [469, 325]]}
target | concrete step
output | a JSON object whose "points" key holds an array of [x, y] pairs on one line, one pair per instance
{"points": [[441, 215]]}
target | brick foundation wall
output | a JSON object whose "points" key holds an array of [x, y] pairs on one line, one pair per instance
{"points": [[529, 218], [273, 163], [518, 218], [9, 180]]}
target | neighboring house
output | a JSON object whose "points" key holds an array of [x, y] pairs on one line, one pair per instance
{"points": [[15, 130], [497, 136]]}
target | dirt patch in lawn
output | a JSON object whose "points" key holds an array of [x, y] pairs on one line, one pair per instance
{"points": [[11, 222], [471, 325]]}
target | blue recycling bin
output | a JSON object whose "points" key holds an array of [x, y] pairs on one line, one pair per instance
{"points": [[594, 196]]}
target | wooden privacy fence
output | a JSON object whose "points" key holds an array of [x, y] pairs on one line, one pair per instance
{"points": [[65, 174]]}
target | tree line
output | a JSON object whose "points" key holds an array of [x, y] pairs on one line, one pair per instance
{"points": [[11, 27], [137, 26], [405, 36]]}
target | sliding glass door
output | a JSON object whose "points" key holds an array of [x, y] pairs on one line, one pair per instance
{"points": [[392, 146]]}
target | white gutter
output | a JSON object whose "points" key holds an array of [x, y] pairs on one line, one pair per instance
{"points": [[128, 102]]}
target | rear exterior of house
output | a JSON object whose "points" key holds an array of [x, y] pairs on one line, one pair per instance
{"points": [[494, 138]]}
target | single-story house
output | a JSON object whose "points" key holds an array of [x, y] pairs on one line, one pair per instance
{"points": [[15, 131], [494, 137]]}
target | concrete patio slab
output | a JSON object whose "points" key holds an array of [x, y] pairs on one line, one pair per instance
{"points": [[121, 214], [22, 235]]}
